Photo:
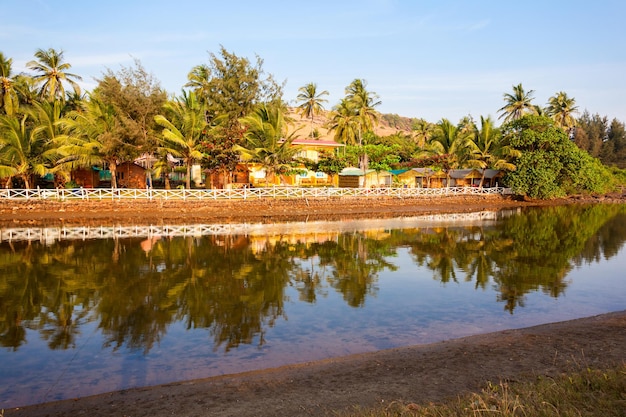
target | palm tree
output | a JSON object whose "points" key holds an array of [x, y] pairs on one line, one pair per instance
{"points": [[364, 103], [24, 152], [517, 104], [486, 149], [8, 96], [311, 101], [199, 81], [266, 142], [51, 74], [91, 138], [561, 109], [343, 121], [183, 129], [447, 146], [422, 132]]}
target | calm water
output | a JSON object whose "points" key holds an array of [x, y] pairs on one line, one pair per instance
{"points": [[81, 315]]}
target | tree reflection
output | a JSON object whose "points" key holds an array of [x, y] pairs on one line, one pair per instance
{"points": [[236, 287]]}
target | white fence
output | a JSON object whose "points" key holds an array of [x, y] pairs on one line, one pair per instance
{"points": [[243, 193], [58, 233]]}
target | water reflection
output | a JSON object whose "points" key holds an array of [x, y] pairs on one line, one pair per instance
{"points": [[236, 286]]}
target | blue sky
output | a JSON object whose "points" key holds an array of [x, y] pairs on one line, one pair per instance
{"points": [[431, 59]]}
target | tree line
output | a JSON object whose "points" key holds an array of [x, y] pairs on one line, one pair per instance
{"points": [[231, 111]]}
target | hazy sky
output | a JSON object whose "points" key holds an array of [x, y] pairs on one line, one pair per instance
{"points": [[430, 59]]}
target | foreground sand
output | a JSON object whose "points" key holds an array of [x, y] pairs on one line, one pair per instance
{"points": [[412, 374]]}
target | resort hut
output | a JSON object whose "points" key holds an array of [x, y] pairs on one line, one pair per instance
{"points": [[131, 175], [86, 177], [465, 178], [353, 177], [493, 177]]}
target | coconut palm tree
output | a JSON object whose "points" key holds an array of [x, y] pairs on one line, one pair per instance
{"points": [[8, 95], [517, 104], [422, 132], [364, 103], [447, 147], [311, 102], [91, 138], [267, 142], [199, 81], [184, 126], [487, 151], [24, 152], [50, 73], [343, 121], [561, 109]]}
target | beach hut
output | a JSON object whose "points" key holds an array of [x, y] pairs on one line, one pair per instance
{"points": [[465, 178], [353, 177]]}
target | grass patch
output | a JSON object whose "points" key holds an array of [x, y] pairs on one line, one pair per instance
{"points": [[585, 393]]}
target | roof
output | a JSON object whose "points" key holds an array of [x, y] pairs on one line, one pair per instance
{"points": [[464, 173], [316, 142], [398, 171]]}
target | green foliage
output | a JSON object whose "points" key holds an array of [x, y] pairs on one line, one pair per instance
{"points": [[331, 163], [619, 175], [550, 165], [382, 157]]}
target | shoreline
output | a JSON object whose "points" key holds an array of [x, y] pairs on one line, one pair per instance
{"points": [[416, 374], [145, 212]]}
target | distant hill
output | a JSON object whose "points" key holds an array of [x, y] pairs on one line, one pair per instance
{"points": [[388, 124]]}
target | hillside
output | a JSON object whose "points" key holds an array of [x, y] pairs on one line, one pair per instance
{"points": [[388, 125]]}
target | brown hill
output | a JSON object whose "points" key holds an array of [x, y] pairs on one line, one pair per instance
{"points": [[389, 124]]}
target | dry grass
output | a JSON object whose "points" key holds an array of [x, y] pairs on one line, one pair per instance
{"points": [[585, 393]]}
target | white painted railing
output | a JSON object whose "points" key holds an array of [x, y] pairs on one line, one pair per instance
{"points": [[243, 193], [57, 233]]}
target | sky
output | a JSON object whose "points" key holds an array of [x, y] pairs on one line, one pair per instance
{"points": [[424, 59]]}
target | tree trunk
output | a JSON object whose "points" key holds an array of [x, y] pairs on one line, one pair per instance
{"points": [[113, 169]]}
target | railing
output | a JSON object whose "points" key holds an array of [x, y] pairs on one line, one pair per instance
{"points": [[242, 193], [58, 233]]}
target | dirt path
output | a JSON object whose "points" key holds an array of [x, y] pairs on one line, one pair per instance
{"points": [[413, 374]]}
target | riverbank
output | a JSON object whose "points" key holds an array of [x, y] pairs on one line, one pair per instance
{"points": [[417, 374], [144, 212]]}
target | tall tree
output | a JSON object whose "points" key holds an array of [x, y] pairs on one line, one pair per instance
{"points": [[487, 151], [92, 138], [447, 147], [364, 103], [517, 104], [422, 131], [561, 109], [267, 141], [343, 121], [184, 127], [24, 152], [311, 102], [231, 87], [50, 73], [135, 97], [9, 102], [591, 133]]}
